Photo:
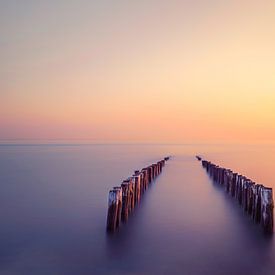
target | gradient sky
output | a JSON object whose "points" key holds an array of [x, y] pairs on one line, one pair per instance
{"points": [[137, 71]]}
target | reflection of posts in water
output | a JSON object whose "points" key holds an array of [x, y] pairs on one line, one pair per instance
{"points": [[255, 199], [122, 200]]}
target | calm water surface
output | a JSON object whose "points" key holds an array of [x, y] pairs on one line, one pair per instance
{"points": [[53, 204]]}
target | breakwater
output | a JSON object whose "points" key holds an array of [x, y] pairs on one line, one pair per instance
{"points": [[123, 199], [255, 199]]}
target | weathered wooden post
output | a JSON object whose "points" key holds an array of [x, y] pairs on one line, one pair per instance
{"points": [[250, 197], [114, 209], [141, 183], [128, 187], [257, 204], [255, 199], [126, 201], [160, 166], [137, 183], [146, 178], [119, 209], [240, 189], [122, 200], [149, 169], [155, 170], [247, 186], [132, 193], [233, 187], [267, 209]]}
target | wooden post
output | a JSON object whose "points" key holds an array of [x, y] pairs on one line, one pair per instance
{"points": [[159, 167], [155, 166], [233, 187], [255, 199], [146, 178], [250, 198], [129, 187], [126, 201], [149, 169], [267, 209], [256, 212], [122, 200], [141, 183], [114, 209], [137, 182], [119, 209], [132, 193]]}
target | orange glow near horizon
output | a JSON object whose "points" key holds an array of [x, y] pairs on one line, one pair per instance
{"points": [[139, 72]]}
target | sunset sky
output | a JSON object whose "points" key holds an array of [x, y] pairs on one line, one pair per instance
{"points": [[137, 71]]}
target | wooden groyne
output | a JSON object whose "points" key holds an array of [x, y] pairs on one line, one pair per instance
{"points": [[123, 199], [255, 199]]}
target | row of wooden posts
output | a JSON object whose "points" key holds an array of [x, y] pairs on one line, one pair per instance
{"points": [[123, 199], [255, 199]]}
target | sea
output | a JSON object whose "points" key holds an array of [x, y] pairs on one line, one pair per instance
{"points": [[53, 207]]}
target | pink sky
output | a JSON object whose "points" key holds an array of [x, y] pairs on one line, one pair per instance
{"points": [[145, 71]]}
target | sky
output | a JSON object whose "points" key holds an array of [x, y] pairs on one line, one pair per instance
{"points": [[137, 71]]}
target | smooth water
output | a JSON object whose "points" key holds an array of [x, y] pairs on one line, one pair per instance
{"points": [[53, 204]]}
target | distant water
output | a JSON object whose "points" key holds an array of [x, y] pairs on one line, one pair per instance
{"points": [[53, 203]]}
